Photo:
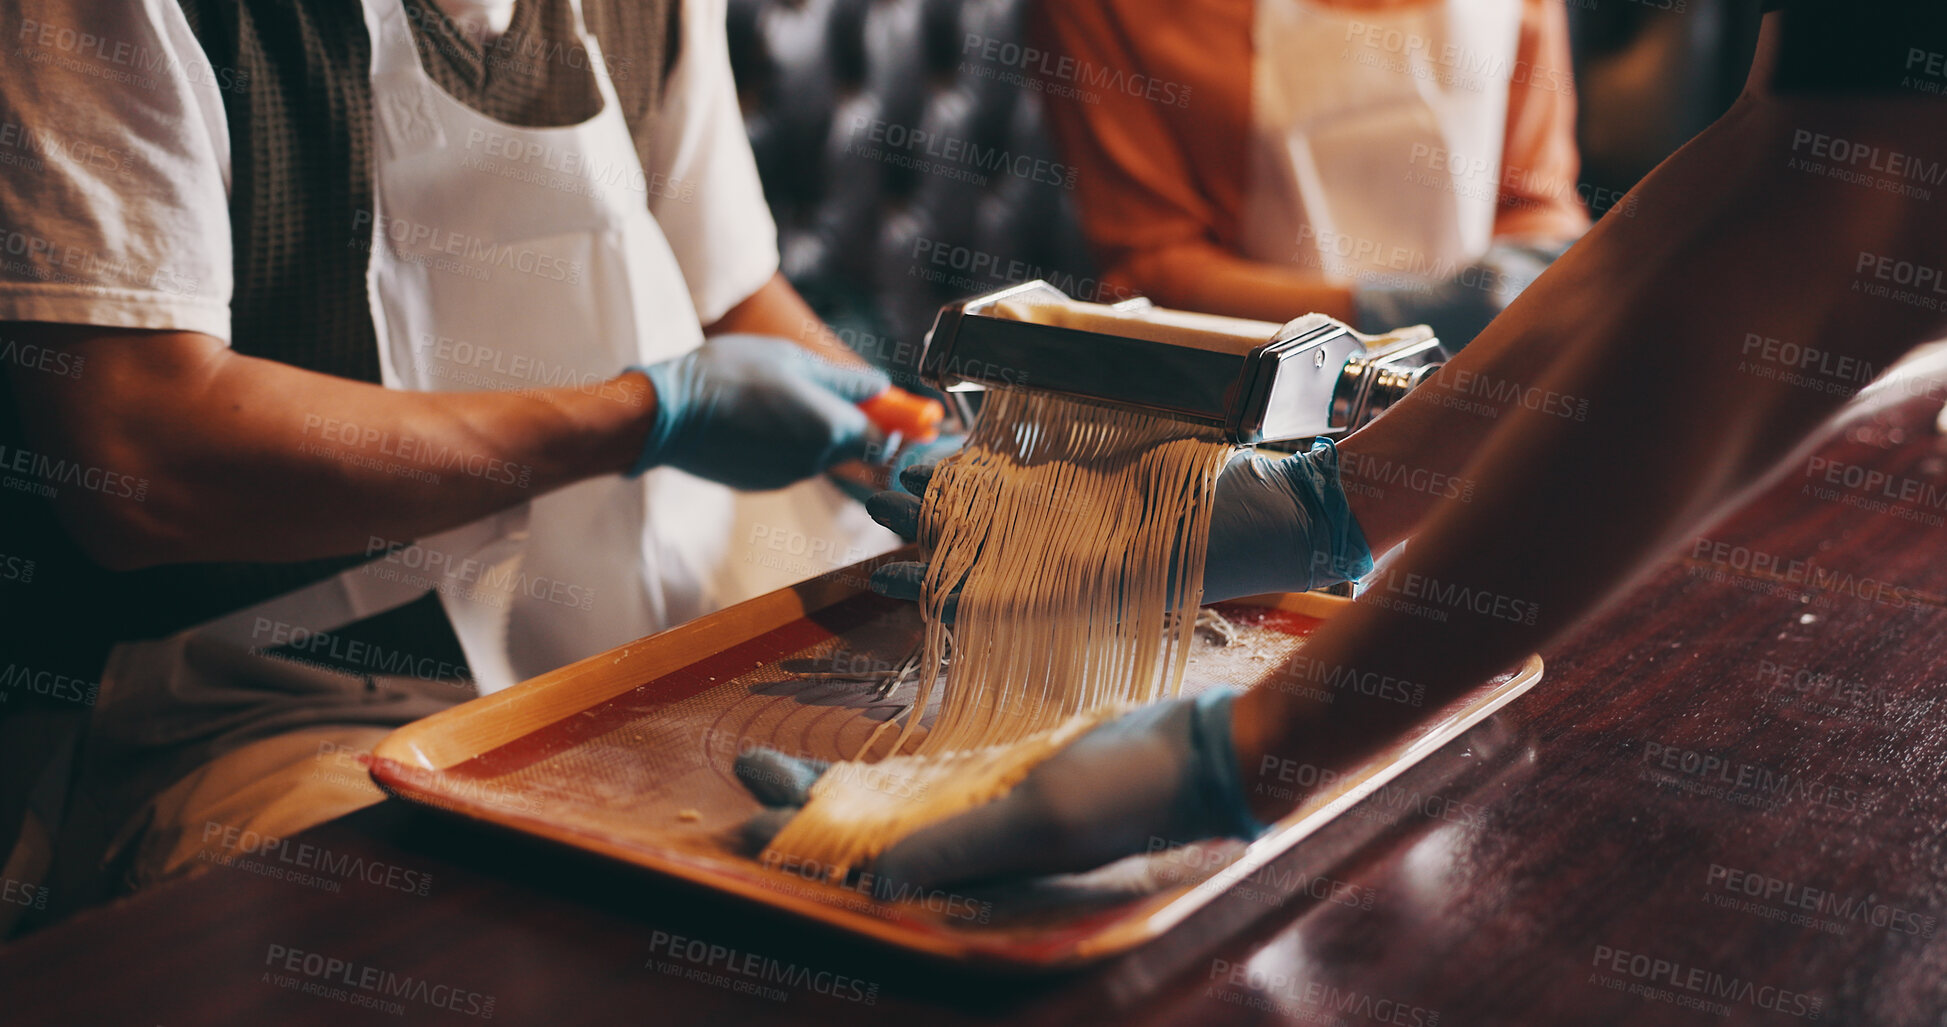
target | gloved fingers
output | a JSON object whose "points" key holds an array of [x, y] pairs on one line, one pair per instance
{"points": [[1008, 837], [1255, 532], [854, 383], [903, 580], [849, 434], [1282, 525], [899, 580], [897, 511], [915, 478], [757, 832], [1457, 308], [1246, 466], [1534, 250], [775, 779], [860, 446], [924, 454], [782, 783]]}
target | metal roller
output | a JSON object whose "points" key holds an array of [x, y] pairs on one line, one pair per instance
{"points": [[1256, 380]]}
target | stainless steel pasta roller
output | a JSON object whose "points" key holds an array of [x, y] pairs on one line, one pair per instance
{"points": [[1256, 380]]}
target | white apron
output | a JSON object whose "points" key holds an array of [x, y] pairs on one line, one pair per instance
{"points": [[572, 284], [1376, 135]]}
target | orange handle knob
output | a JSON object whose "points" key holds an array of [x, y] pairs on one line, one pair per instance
{"points": [[913, 417]]}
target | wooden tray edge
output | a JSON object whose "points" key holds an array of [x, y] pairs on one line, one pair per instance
{"points": [[453, 735]]}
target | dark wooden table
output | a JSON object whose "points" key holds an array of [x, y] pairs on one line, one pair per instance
{"points": [[1724, 804]]}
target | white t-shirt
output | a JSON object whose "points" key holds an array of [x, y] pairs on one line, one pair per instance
{"points": [[115, 169]]}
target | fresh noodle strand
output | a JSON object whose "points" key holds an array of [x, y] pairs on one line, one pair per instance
{"points": [[1074, 534]]}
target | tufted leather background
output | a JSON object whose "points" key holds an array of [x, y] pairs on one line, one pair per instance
{"points": [[878, 143], [891, 166]]}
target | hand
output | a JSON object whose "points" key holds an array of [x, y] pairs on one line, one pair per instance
{"points": [[922, 454], [1277, 525], [863, 479], [1459, 307], [756, 412], [1162, 775]]}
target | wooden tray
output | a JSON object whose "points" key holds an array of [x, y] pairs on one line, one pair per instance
{"points": [[628, 754]]}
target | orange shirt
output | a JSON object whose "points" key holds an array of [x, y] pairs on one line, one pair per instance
{"points": [[1159, 140]]}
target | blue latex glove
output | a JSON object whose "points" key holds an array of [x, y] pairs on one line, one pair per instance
{"points": [[1459, 307], [925, 454], [1162, 775], [1277, 525], [756, 412]]}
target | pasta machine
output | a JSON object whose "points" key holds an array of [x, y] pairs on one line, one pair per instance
{"points": [[1256, 380]]}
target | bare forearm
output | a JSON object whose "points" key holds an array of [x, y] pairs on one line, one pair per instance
{"points": [[1207, 279], [777, 309], [1397, 469], [250, 459], [1653, 316]]}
